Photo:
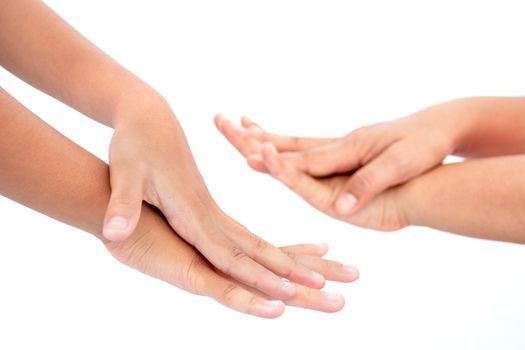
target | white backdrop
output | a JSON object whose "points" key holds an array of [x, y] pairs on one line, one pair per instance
{"points": [[297, 67]]}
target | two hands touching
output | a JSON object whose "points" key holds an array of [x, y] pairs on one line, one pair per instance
{"points": [[390, 175], [384, 176], [354, 178], [151, 161]]}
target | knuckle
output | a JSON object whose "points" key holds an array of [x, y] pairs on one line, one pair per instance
{"points": [[399, 163], [260, 244], [253, 300], [286, 271], [229, 294], [236, 256], [296, 141], [190, 283]]}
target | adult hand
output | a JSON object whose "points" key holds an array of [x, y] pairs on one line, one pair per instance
{"points": [[156, 250], [377, 157], [150, 159]]}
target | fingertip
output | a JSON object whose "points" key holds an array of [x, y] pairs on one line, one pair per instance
{"points": [[350, 273], [269, 309], [345, 204], [217, 119], [268, 153], [245, 121], [117, 228], [256, 162], [317, 280], [323, 248], [336, 303]]}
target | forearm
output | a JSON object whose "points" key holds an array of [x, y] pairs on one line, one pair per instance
{"points": [[487, 126], [42, 169], [41, 48], [482, 198]]}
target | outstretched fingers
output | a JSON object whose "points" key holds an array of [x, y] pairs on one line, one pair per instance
{"points": [[311, 190], [277, 261]]}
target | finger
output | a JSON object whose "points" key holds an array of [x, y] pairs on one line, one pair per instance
{"points": [[234, 262], [331, 270], [318, 249], [256, 162], [327, 159], [316, 300], [238, 137], [390, 168], [275, 260], [234, 296], [284, 143], [189, 270], [123, 212], [311, 190]]}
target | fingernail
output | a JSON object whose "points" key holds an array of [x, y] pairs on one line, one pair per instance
{"points": [[322, 246], [333, 298], [114, 227], [273, 304], [345, 204], [349, 270], [288, 287], [270, 307], [317, 277]]}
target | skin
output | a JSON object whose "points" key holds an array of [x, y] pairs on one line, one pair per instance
{"points": [[45, 171], [149, 157], [396, 168]]}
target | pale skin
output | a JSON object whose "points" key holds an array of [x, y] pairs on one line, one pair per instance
{"points": [[149, 158], [390, 175], [45, 171]]}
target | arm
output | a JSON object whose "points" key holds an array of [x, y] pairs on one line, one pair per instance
{"points": [[480, 198], [493, 126], [45, 51], [149, 157], [45, 171], [387, 154]]}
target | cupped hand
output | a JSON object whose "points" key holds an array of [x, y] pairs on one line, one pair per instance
{"points": [[378, 156], [158, 251], [150, 160]]}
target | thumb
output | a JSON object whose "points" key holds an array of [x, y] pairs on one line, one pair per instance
{"points": [[327, 159], [385, 171], [125, 203]]}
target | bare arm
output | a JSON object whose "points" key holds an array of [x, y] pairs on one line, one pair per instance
{"points": [[481, 198], [494, 126], [149, 156], [388, 154], [45, 51], [45, 171]]}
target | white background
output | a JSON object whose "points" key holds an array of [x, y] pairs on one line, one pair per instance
{"points": [[305, 68]]}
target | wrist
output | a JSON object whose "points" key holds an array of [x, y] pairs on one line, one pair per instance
{"points": [[462, 117], [137, 105], [408, 203]]}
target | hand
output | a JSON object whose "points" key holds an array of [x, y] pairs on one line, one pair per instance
{"points": [[378, 157], [384, 212], [150, 159], [158, 251]]}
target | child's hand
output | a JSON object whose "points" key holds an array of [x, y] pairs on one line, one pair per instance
{"points": [[157, 251], [379, 156], [150, 160]]}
